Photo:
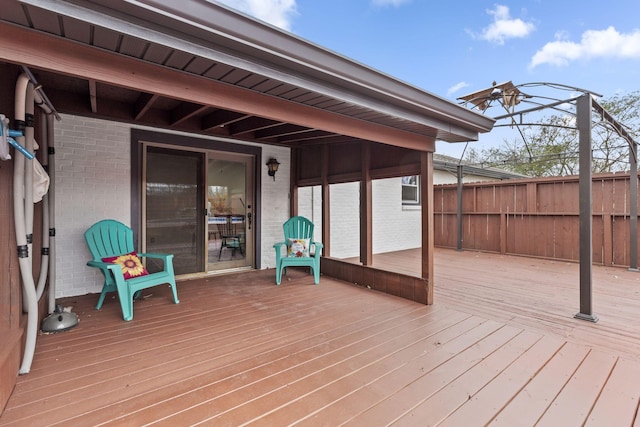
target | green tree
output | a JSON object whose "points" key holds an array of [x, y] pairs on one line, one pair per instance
{"points": [[550, 146]]}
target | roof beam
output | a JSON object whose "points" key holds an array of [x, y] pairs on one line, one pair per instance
{"points": [[252, 124], [306, 136], [221, 118], [281, 130], [144, 104], [93, 98], [185, 111]]}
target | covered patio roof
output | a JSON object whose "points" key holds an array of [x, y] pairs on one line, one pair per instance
{"points": [[201, 67]]}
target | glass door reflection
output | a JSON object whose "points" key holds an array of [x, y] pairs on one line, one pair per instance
{"points": [[173, 207], [229, 207]]}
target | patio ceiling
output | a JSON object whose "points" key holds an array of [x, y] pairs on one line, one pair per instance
{"points": [[317, 95]]}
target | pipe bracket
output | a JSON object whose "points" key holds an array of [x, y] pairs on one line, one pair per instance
{"points": [[23, 251], [30, 120], [19, 125]]}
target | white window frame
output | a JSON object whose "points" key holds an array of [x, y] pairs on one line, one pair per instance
{"points": [[411, 190]]}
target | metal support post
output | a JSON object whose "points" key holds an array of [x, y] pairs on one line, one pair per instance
{"points": [[584, 108]]}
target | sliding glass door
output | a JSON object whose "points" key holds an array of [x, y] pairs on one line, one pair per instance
{"points": [[230, 211], [199, 205], [174, 206]]}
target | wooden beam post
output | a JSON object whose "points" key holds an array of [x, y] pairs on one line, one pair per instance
{"points": [[366, 207], [426, 189], [293, 199], [326, 208]]}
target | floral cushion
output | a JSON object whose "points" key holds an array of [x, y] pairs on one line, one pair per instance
{"points": [[298, 248], [130, 264]]}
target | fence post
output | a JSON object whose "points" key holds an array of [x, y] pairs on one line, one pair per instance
{"points": [[607, 239], [532, 197], [503, 233]]}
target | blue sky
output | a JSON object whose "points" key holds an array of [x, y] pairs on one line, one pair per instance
{"points": [[455, 47]]}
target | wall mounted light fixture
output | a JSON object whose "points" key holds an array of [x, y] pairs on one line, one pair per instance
{"points": [[273, 164]]}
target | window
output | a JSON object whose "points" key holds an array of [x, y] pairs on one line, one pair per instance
{"points": [[411, 190]]}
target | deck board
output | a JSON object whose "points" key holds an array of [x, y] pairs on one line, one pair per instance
{"points": [[482, 406], [461, 390], [534, 294], [325, 340], [572, 406], [499, 346], [350, 374], [536, 396], [619, 399], [276, 384], [458, 358], [447, 344]]}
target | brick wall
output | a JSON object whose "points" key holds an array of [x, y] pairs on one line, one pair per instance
{"points": [[92, 182], [310, 206], [92, 165], [395, 227], [275, 202]]}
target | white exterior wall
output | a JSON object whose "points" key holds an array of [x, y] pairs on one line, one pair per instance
{"points": [[310, 207], [345, 219], [394, 227], [92, 182], [275, 202]]}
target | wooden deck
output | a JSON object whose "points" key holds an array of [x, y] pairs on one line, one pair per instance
{"points": [[499, 346], [535, 294]]}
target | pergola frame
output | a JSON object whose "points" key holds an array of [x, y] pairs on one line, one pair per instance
{"points": [[585, 104]]}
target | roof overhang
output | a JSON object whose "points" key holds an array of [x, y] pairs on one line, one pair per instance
{"points": [[220, 48]]}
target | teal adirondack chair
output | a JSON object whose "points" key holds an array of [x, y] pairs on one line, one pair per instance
{"points": [[109, 238], [295, 251]]}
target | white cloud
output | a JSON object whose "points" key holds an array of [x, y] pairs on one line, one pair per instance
{"points": [[389, 2], [504, 27], [274, 12], [453, 89], [607, 43]]}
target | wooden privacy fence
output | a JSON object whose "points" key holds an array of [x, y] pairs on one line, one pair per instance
{"points": [[536, 217]]}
